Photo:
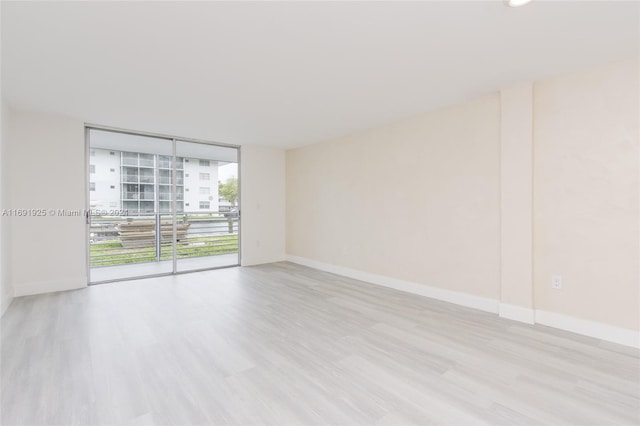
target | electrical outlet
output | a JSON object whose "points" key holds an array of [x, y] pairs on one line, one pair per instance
{"points": [[556, 282]]}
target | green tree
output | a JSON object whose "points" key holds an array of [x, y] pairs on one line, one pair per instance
{"points": [[229, 190]]}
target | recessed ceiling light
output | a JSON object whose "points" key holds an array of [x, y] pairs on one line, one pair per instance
{"points": [[517, 3]]}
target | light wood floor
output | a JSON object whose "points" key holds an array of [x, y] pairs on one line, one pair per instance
{"points": [[282, 344]]}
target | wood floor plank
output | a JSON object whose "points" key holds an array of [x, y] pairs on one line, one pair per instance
{"points": [[284, 344]]}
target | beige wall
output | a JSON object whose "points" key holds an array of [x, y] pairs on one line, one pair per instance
{"points": [[262, 204], [490, 198], [516, 202], [46, 171], [6, 290], [417, 200], [586, 194]]}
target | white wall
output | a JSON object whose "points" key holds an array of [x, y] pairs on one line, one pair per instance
{"points": [[6, 290], [262, 204], [47, 171]]}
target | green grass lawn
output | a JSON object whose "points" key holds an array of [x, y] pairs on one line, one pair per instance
{"points": [[111, 253]]}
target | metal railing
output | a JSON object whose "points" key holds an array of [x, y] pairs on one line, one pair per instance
{"points": [[129, 161], [138, 196], [120, 240]]}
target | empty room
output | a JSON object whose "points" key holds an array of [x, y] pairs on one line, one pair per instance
{"points": [[320, 213]]}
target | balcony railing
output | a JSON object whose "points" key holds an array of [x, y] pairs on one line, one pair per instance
{"points": [[119, 240], [162, 180], [138, 196]]}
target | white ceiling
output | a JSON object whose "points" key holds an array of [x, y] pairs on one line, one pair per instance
{"points": [[290, 73]]}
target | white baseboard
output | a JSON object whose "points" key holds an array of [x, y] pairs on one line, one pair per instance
{"points": [[598, 330], [27, 289], [517, 313], [589, 328], [253, 261], [459, 298]]}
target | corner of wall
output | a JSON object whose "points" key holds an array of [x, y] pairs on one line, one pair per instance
{"points": [[262, 204], [6, 290], [60, 252], [516, 203], [587, 198]]}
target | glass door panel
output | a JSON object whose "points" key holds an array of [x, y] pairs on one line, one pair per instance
{"points": [[129, 215], [207, 217]]}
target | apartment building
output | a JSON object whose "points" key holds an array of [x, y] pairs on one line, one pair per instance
{"points": [[141, 183]]}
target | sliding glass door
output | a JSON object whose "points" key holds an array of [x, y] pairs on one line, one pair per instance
{"points": [[209, 214], [159, 205]]}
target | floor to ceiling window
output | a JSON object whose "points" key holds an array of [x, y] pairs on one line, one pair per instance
{"points": [[159, 205]]}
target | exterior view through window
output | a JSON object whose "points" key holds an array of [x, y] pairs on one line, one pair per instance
{"points": [[159, 205]]}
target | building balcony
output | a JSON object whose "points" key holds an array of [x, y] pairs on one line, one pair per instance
{"points": [[133, 196], [167, 181]]}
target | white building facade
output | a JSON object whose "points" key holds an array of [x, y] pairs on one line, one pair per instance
{"points": [[104, 180], [200, 185], [142, 183]]}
